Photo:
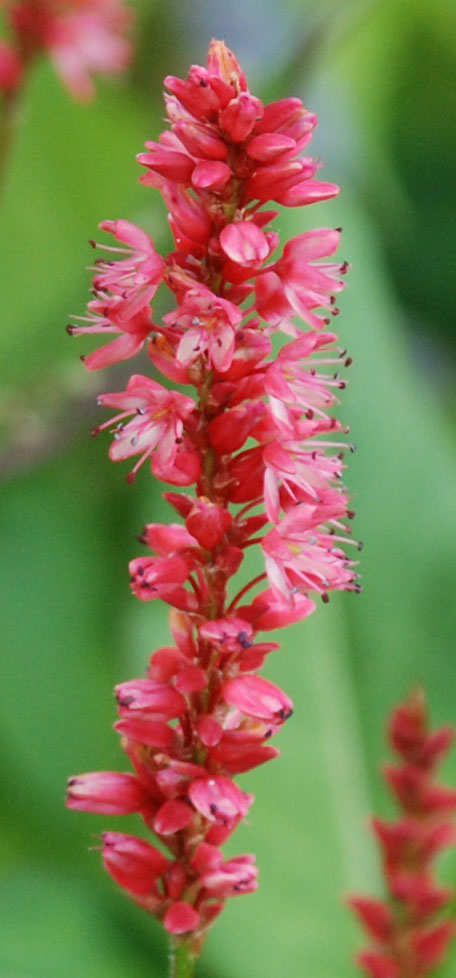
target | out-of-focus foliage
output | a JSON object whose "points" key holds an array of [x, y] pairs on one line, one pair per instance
{"points": [[379, 76]]}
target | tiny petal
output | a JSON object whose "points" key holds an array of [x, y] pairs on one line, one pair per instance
{"points": [[244, 242], [171, 817], [181, 918]]}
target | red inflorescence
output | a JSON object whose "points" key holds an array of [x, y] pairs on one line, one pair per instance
{"points": [[262, 451], [407, 939]]}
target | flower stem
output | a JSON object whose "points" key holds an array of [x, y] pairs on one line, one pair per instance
{"points": [[8, 124], [182, 960]]}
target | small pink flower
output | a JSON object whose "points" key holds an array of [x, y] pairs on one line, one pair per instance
{"points": [[219, 799], [233, 877], [299, 559], [134, 278], [208, 324], [106, 793], [133, 863], [257, 697], [107, 315], [144, 698], [157, 424]]}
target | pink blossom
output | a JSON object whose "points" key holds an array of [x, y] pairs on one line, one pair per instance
{"points": [[106, 792], [146, 698], [157, 424], [133, 863], [237, 875], [107, 315], [293, 286], [208, 327], [219, 800], [302, 560], [257, 697], [134, 278]]}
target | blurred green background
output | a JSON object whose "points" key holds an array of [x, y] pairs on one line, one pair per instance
{"points": [[381, 77]]}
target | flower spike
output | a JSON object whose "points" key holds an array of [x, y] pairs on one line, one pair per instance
{"points": [[259, 456], [407, 940]]}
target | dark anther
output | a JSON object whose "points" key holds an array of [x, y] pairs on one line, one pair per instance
{"points": [[70, 329], [244, 641], [125, 701], [348, 362], [92, 243], [268, 734], [360, 545], [325, 598], [213, 808], [284, 714]]}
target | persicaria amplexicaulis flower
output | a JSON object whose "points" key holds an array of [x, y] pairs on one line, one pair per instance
{"points": [[82, 38], [408, 935], [256, 458]]}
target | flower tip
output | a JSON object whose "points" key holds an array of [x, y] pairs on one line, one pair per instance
{"points": [[221, 60]]}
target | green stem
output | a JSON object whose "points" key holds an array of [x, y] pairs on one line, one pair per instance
{"points": [[8, 124], [182, 960]]}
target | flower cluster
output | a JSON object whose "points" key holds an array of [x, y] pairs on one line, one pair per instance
{"points": [[82, 37], [262, 450], [407, 942]]}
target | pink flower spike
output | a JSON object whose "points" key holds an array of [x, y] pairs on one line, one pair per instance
{"points": [[257, 697], [181, 918], [260, 459], [106, 793]]}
